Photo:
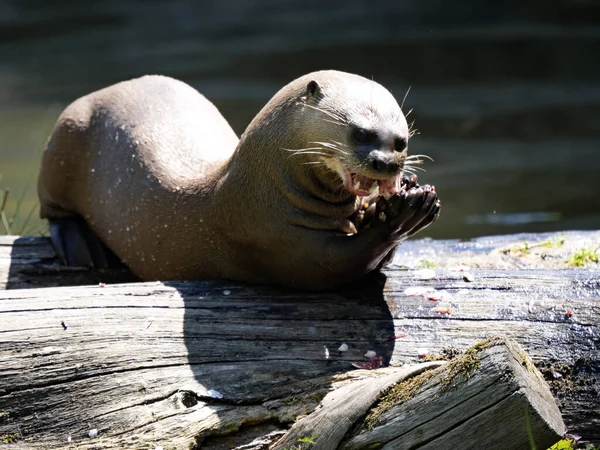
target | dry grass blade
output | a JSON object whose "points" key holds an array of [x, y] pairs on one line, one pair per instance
{"points": [[3, 214]]}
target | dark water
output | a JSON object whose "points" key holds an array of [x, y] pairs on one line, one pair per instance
{"points": [[506, 95]]}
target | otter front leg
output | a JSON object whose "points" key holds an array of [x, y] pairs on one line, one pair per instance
{"points": [[408, 213], [347, 258], [401, 216]]}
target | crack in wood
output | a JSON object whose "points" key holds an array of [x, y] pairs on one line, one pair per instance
{"points": [[43, 385]]}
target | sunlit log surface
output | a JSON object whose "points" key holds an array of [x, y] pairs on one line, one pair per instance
{"points": [[147, 362]]}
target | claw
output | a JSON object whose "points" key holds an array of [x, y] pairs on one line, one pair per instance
{"points": [[411, 210]]}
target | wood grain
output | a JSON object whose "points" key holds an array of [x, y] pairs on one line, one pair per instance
{"points": [[488, 399], [138, 361]]}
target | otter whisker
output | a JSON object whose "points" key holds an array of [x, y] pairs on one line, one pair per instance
{"points": [[404, 99], [342, 145], [335, 122], [408, 113], [413, 168], [409, 172], [299, 150], [412, 130], [309, 153], [340, 120], [306, 151], [409, 157], [414, 162], [328, 113], [331, 146]]}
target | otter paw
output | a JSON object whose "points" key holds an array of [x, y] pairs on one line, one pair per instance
{"points": [[409, 211], [407, 183]]}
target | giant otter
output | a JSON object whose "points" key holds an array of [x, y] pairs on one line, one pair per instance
{"points": [[313, 195]]}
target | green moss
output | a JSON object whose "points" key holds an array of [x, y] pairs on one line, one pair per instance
{"points": [[552, 243], [426, 264], [461, 369], [457, 370], [434, 357], [396, 395], [584, 256], [569, 443], [305, 443], [525, 247], [447, 354], [10, 438], [307, 440]]}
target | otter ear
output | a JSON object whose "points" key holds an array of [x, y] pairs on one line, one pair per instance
{"points": [[312, 89]]}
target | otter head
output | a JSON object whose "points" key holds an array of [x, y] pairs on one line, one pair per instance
{"points": [[356, 130]]}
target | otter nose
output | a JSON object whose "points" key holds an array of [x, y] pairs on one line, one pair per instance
{"points": [[383, 163]]}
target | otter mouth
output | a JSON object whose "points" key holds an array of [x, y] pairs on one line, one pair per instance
{"points": [[362, 185]]}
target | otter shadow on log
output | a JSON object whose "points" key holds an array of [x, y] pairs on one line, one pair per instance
{"points": [[262, 356], [176, 363]]}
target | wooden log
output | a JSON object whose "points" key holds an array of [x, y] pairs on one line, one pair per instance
{"points": [[172, 365], [341, 408], [134, 357], [492, 397], [28, 262]]}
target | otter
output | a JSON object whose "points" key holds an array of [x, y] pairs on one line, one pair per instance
{"points": [[315, 193]]}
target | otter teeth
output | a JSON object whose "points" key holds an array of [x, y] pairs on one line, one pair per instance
{"points": [[362, 185], [363, 182], [388, 188]]}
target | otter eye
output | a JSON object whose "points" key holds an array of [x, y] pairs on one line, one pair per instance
{"points": [[400, 144], [362, 136]]}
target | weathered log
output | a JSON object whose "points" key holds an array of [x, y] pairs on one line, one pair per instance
{"points": [[148, 362], [341, 408], [138, 361], [492, 398], [28, 262], [117, 359]]}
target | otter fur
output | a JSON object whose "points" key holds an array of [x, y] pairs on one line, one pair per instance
{"points": [[313, 195]]}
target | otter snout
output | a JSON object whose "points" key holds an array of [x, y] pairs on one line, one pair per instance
{"points": [[383, 163]]}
